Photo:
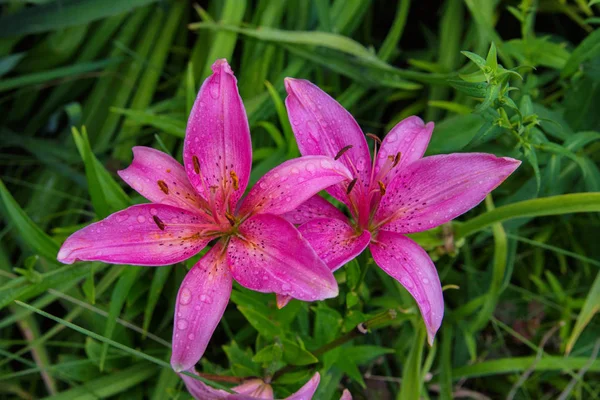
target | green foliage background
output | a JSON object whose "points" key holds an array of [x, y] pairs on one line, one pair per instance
{"points": [[520, 270]]}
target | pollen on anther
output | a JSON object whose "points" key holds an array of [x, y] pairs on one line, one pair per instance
{"points": [[163, 186], [196, 164], [375, 138], [381, 187], [158, 222], [342, 151], [351, 185], [397, 159], [234, 180]]}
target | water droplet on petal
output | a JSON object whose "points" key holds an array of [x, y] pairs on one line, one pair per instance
{"points": [[325, 164], [186, 296], [310, 167], [425, 281], [285, 287], [141, 219], [153, 211], [215, 89], [295, 171], [182, 324], [191, 336]]}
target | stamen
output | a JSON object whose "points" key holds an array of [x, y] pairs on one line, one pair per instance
{"points": [[163, 186], [234, 179], [196, 164], [230, 218], [351, 185], [158, 222], [375, 138], [342, 151], [381, 187], [397, 159]]}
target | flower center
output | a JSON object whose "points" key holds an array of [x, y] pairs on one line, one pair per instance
{"points": [[364, 197]]}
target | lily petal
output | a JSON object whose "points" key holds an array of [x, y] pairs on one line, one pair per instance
{"points": [[437, 189], [410, 138], [290, 184], [201, 391], [217, 152], [315, 207], [145, 234], [323, 127], [334, 241], [307, 391], [256, 388], [201, 302], [270, 255], [346, 395], [161, 179], [405, 261]]}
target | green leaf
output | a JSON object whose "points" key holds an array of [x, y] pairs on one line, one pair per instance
{"points": [[587, 49], [296, 355], [492, 58], [260, 322], [166, 124], [333, 41], [107, 196], [473, 89], [554, 205], [117, 300], [411, 374], [62, 72], [32, 235], [589, 309], [531, 157], [63, 14], [158, 283]]}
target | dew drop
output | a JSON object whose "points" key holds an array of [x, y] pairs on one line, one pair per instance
{"points": [[215, 89], [205, 299], [285, 287], [392, 138], [191, 336], [141, 219], [182, 324], [186, 296], [153, 211], [325, 164], [310, 167], [295, 171], [425, 281]]}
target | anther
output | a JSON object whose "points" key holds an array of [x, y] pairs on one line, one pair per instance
{"points": [[230, 218], [158, 222], [342, 151], [163, 186], [196, 164], [375, 138], [397, 159], [381, 187], [234, 179], [351, 185]]}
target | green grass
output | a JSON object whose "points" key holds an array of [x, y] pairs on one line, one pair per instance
{"points": [[81, 82]]}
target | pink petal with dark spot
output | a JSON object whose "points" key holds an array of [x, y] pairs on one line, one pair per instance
{"points": [[437, 189], [315, 207], [405, 261], [335, 241], [409, 137], [161, 179], [217, 139], [270, 255], [134, 236], [290, 184], [323, 127], [201, 302]]}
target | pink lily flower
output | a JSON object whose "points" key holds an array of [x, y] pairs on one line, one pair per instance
{"points": [[200, 202], [399, 192], [253, 389]]}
